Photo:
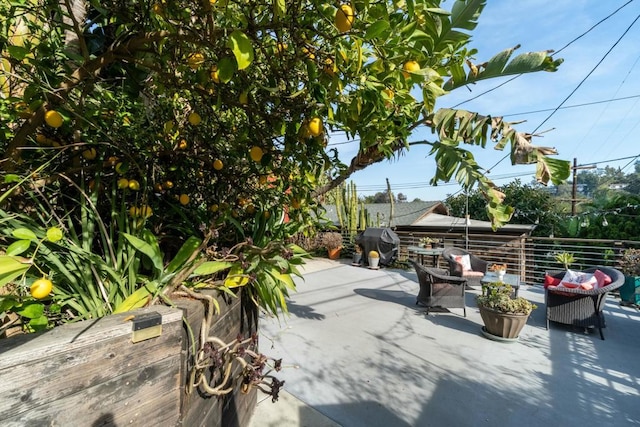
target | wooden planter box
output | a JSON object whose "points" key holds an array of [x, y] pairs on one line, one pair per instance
{"points": [[90, 373]]}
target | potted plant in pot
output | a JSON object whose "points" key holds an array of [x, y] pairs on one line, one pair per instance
{"points": [[503, 316], [332, 241], [357, 256], [499, 270], [629, 264], [374, 259], [428, 242]]}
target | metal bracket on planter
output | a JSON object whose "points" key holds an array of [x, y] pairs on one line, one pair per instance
{"points": [[146, 326]]}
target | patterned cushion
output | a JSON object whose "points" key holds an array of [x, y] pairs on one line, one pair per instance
{"points": [[471, 273], [574, 279], [463, 260]]}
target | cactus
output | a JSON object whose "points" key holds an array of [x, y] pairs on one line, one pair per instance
{"points": [[351, 213]]}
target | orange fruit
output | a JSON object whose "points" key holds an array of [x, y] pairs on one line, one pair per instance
{"points": [[183, 144], [41, 288], [256, 153], [389, 93], [184, 199], [344, 18], [167, 185], [53, 118], [218, 165], [315, 126]]}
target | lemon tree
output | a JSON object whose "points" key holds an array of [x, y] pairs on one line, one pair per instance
{"points": [[253, 88]]}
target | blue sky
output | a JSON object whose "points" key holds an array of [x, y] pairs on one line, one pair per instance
{"points": [[599, 133]]}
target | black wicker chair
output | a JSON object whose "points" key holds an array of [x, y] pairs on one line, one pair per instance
{"points": [[478, 266], [439, 289], [579, 307]]}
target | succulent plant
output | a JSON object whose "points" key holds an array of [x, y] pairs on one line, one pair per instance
{"points": [[629, 264], [498, 297]]}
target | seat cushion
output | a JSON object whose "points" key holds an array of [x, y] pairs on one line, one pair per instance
{"points": [[471, 273]]}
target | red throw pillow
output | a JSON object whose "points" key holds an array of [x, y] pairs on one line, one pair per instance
{"points": [[569, 285], [602, 278], [551, 281]]}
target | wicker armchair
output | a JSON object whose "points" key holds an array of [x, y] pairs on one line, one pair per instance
{"points": [[439, 289], [478, 266], [579, 307]]}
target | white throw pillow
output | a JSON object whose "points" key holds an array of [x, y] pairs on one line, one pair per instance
{"points": [[464, 261]]}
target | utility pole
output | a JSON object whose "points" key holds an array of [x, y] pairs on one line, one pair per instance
{"points": [[574, 190]]}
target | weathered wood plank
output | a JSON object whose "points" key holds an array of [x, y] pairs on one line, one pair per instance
{"points": [[147, 396], [68, 359], [39, 380], [73, 336]]}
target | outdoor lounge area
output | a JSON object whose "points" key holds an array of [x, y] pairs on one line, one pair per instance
{"points": [[357, 349]]}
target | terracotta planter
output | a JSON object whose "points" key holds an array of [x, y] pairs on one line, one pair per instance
{"points": [[501, 324], [334, 253]]}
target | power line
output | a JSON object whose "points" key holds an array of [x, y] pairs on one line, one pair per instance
{"points": [[554, 53], [585, 104], [589, 74]]}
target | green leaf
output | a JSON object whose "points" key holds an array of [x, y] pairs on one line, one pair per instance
{"points": [[11, 177], [279, 8], [188, 248], [18, 247], [377, 29], [7, 303], [147, 249], [137, 299], [242, 48], [284, 278], [11, 267], [17, 52], [211, 267], [226, 69], [39, 323], [32, 310], [24, 233]]}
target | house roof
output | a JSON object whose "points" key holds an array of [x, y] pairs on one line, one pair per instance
{"points": [[436, 221], [406, 213]]}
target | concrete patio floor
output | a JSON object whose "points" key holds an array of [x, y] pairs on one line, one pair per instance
{"points": [[357, 351]]}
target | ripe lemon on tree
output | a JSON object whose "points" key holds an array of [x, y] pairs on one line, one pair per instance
{"points": [[90, 154], [134, 185], [53, 118], [410, 67], [315, 126], [184, 199], [183, 144], [123, 183], [195, 60], [194, 119], [167, 185], [218, 165], [41, 288], [256, 153], [344, 18]]}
